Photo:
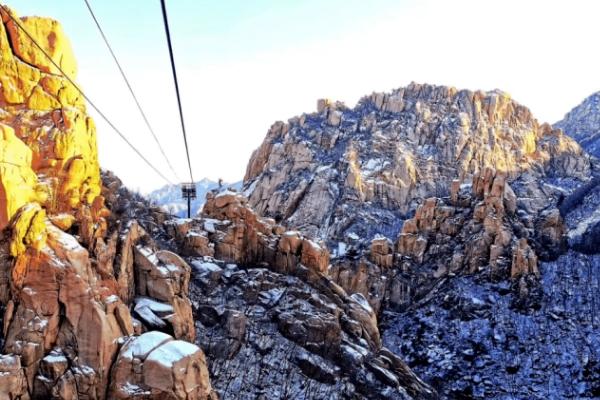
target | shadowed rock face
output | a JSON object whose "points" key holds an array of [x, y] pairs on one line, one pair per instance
{"points": [[342, 172], [582, 123], [470, 341]]}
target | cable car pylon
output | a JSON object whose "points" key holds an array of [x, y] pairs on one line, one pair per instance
{"points": [[188, 190]]}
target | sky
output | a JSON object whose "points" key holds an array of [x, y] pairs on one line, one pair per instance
{"points": [[244, 64]]}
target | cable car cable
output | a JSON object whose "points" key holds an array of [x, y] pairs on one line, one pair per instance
{"points": [[18, 24], [166, 23], [112, 53]]}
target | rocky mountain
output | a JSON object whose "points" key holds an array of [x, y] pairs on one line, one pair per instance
{"points": [[104, 296], [343, 173], [427, 243], [169, 197], [467, 225], [583, 124]]}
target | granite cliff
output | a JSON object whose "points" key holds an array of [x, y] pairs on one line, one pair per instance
{"points": [[72, 264], [454, 214]]}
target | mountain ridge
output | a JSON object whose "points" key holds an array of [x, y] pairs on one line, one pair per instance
{"points": [[395, 148], [583, 123]]}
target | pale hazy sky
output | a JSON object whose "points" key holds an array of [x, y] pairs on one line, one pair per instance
{"points": [[244, 64]]}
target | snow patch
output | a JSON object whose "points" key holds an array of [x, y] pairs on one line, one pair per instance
{"points": [[205, 267], [341, 250], [209, 225], [360, 299], [171, 352], [583, 225], [353, 236], [140, 346]]}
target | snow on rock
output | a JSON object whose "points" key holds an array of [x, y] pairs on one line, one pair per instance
{"points": [[360, 299], [155, 306], [583, 225], [342, 248], [153, 312], [206, 267], [154, 366], [353, 236], [164, 276], [141, 346], [209, 225], [172, 352]]}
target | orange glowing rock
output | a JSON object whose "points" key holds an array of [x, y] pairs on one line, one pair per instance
{"points": [[48, 151]]}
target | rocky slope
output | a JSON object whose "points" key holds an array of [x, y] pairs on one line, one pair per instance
{"points": [[82, 283], [470, 338], [265, 304], [169, 197], [451, 212], [583, 124], [97, 304]]}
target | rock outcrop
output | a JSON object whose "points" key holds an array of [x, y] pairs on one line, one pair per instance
{"points": [[154, 366], [472, 231], [72, 263], [262, 294], [470, 336], [441, 207], [582, 123], [49, 142], [345, 172]]}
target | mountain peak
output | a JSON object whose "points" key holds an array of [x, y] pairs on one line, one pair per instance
{"points": [[335, 171]]}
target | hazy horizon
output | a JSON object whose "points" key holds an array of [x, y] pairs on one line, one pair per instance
{"points": [[243, 66]]}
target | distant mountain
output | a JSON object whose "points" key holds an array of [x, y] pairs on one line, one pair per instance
{"points": [[169, 196], [583, 124]]}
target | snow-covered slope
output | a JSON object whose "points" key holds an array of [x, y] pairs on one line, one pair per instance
{"points": [[583, 124], [169, 196]]}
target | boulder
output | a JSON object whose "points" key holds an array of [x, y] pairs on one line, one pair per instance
{"points": [[13, 383], [155, 366], [164, 277]]}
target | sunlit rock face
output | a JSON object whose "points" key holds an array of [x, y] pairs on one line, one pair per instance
{"points": [[70, 268], [44, 123], [344, 171]]}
